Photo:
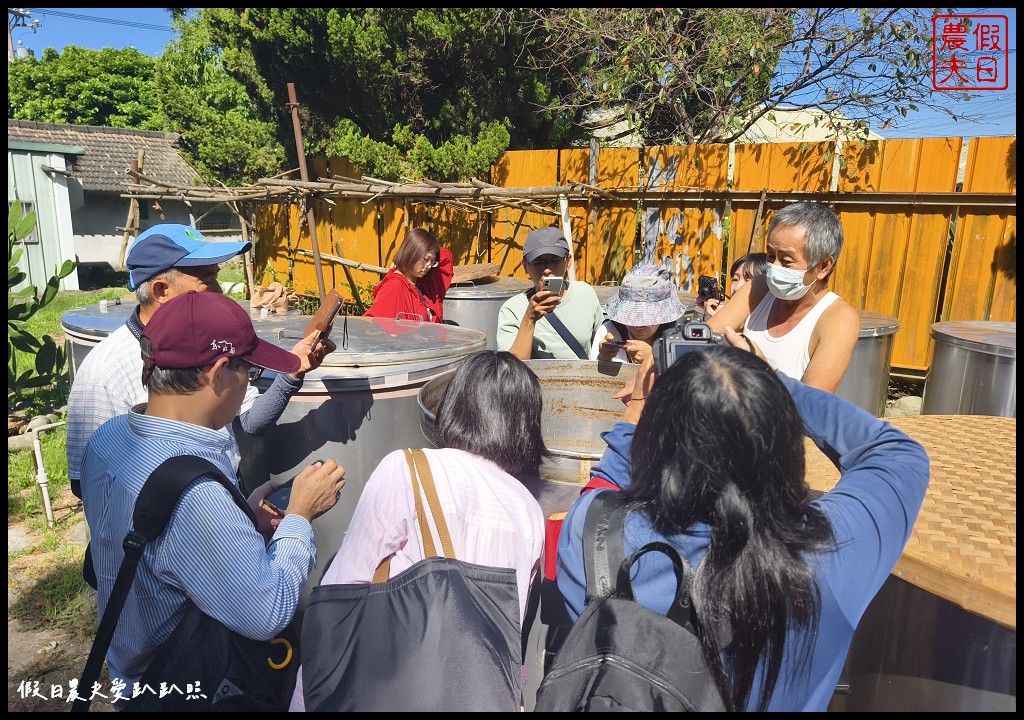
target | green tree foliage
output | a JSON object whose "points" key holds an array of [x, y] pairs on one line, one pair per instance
{"points": [[228, 133], [402, 90], [50, 360], [109, 88], [693, 75]]}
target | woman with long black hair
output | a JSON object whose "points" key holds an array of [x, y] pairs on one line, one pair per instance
{"points": [[711, 457]]}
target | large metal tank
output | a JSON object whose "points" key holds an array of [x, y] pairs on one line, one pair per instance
{"points": [[578, 407], [475, 303], [357, 407], [866, 381], [973, 370]]}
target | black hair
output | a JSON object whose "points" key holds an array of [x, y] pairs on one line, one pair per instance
{"points": [[755, 263], [417, 243], [492, 408], [721, 442]]}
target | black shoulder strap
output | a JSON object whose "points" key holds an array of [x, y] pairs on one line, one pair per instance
{"points": [[153, 509], [608, 568], [562, 330], [622, 329], [603, 543]]}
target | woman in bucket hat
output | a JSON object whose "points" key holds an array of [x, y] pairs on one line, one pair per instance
{"points": [[646, 305]]}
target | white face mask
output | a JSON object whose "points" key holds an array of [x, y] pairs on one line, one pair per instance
{"points": [[787, 283]]}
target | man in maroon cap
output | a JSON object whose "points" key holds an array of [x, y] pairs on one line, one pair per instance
{"points": [[165, 261], [199, 353]]}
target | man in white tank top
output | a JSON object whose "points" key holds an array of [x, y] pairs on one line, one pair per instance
{"points": [[789, 314]]}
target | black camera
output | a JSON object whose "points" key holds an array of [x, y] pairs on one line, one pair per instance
{"points": [[680, 340], [707, 288]]}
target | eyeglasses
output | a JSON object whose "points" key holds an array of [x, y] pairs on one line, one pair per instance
{"points": [[429, 261], [255, 371], [547, 261]]}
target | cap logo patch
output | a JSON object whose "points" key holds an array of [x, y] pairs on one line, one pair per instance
{"points": [[223, 346]]}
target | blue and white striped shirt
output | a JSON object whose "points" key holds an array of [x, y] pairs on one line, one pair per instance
{"points": [[210, 553]]}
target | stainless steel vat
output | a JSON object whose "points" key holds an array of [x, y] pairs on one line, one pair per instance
{"points": [[866, 381], [357, 407], [973, 370], [85, 327], [578, 407], [914, 651], [475, 304]]}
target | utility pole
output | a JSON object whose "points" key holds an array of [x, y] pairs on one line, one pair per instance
{"points": [[18, 17]]}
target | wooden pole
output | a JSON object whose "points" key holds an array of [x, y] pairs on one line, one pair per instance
{"points": [[132, 221], [293, 105]]}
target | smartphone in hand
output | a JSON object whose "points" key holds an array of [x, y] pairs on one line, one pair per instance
{"points": [[553, 284], [323, 320], [278, 500]]}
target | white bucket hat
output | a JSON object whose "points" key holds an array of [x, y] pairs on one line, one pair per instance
{"points": [[646, 297]]}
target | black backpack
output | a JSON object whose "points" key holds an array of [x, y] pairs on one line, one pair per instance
{"points": [[621, 656]]}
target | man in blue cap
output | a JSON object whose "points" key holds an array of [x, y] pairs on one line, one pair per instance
{"points": [[166, 261]]}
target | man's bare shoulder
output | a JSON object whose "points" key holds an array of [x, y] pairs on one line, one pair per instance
{"points": [[840, 318]]}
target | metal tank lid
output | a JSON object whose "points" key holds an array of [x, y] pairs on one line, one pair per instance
{"points": [[488, 287], [378, 350], [987, 336], [875, 324], [93, 321]]}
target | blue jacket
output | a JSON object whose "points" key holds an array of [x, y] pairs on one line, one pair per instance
{"points": [[872, 510]]}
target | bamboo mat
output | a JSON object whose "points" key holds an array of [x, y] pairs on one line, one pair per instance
{"points": [[964, 544], [473, 271]]}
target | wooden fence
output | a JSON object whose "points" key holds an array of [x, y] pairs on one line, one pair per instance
{"points": [[922, 244]]}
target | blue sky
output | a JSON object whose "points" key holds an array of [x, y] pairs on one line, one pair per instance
{"points": [[148, 29]]}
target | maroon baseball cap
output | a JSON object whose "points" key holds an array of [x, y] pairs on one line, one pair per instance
{"points": [[197, 329]]}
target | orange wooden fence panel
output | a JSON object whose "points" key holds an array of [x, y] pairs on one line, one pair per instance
{"points": [[982, 281], [803, 167], [509, 228], [892, 256], [687, 236]]}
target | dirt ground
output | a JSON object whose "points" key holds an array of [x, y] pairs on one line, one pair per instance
{"points": [[42, 659]]}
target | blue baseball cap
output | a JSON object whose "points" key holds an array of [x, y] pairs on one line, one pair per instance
{"points": [[170, 245]]}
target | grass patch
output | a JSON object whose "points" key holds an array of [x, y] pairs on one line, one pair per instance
{"points": [[47, 320], [52, 593]]}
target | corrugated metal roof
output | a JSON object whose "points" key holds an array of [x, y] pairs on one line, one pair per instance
{"points": [[109, 152]]}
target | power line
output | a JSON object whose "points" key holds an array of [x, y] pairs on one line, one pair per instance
{"points": [[104, 21]]}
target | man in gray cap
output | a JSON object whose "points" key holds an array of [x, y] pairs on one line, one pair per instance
{"points": [[549, 324], [166, 261]]}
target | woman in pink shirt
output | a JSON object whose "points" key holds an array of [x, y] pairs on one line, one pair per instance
{"points": [[489, 436]]}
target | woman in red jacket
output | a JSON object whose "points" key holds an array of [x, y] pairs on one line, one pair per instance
{"points": [[417, 281]]}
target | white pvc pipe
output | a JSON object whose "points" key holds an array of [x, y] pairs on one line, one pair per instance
{"points": [[41, 477], [563, 202]]}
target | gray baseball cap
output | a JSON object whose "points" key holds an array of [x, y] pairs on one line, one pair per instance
{"points": [[545, 241]]}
